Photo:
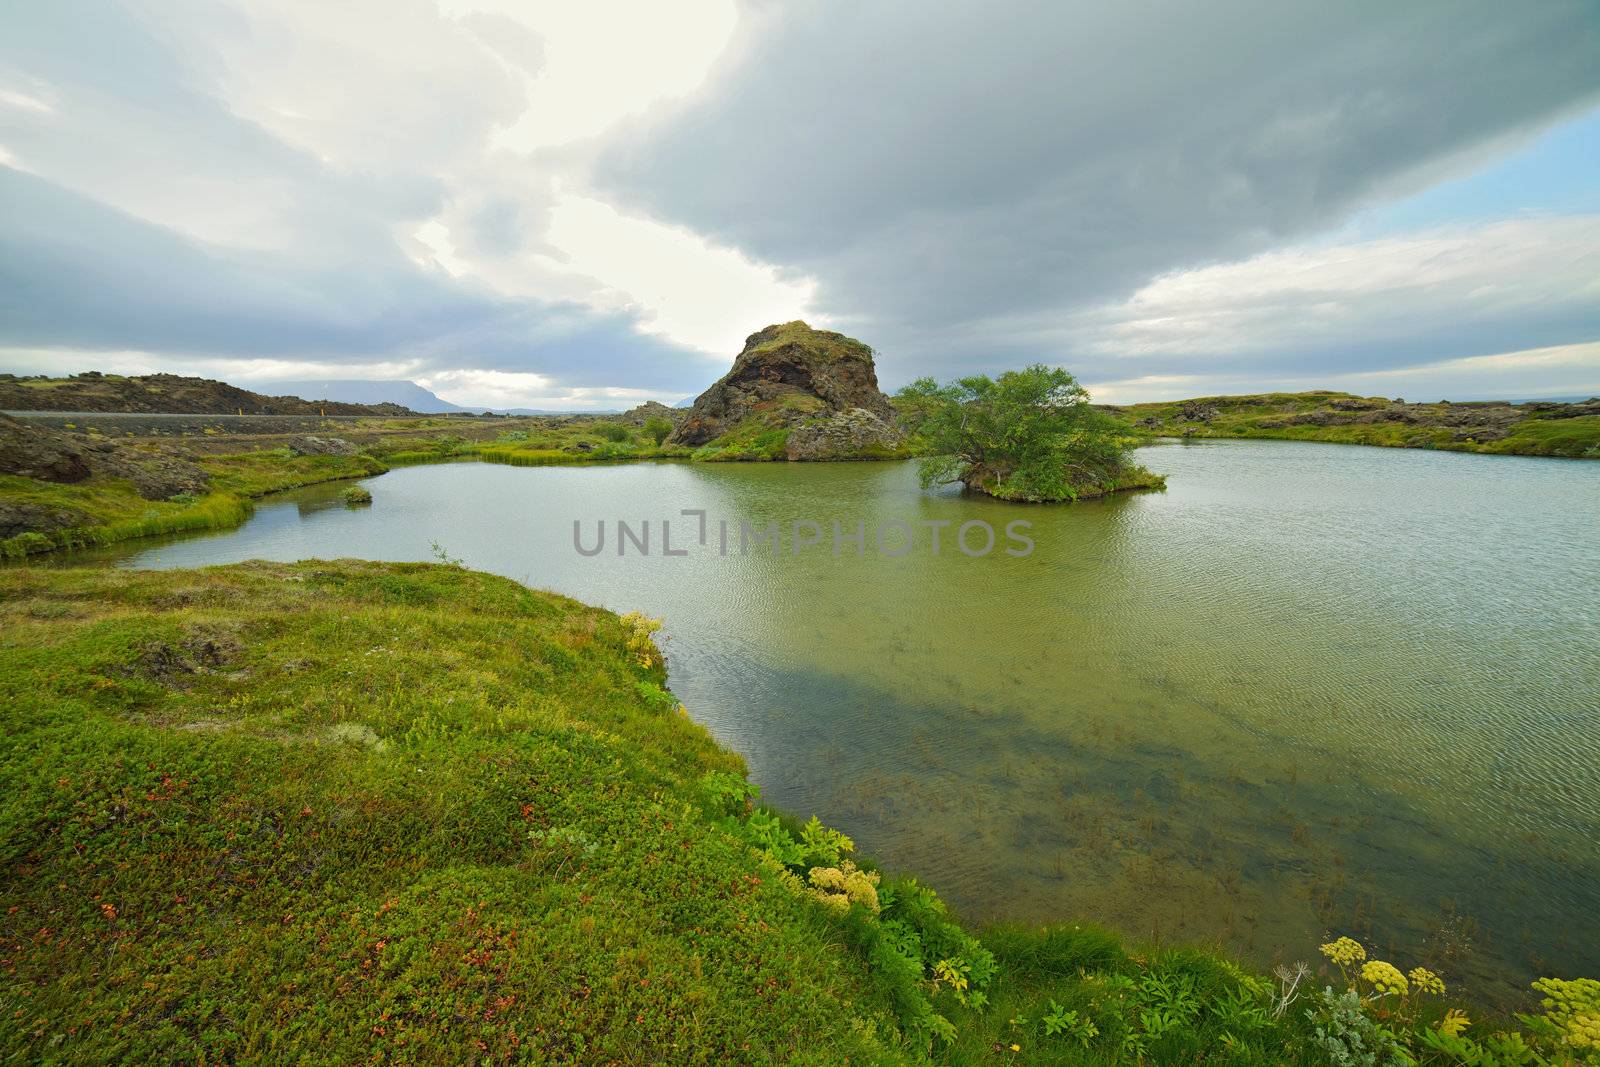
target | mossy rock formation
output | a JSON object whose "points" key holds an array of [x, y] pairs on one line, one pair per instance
{"points": [[790, 377]]}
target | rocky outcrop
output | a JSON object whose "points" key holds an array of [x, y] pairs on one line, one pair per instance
{"points": [[311, 445], [52, 456], [46, 455], [854, 434], [650, 409], [820, 386]]}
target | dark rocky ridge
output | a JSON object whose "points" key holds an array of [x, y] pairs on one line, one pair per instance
{"points": [[165, 394], [819, 385]]}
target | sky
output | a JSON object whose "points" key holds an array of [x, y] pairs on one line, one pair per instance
{"points": [[545, 204]]}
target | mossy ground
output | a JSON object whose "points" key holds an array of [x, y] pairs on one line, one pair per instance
{"points": [[351, 812]]}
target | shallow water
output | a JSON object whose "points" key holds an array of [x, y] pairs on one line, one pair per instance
{"points": [[1309, 689]]}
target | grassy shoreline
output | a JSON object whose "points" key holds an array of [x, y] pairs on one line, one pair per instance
{"points": [[339, 811], [243, 467], [1550, 429]]}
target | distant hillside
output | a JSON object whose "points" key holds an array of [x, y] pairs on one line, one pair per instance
{"points": [[164, 394], [1532, 428], [407, 394]]}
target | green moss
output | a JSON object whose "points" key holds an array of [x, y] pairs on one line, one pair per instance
{"points": [[1577, 438], [827, 345]]}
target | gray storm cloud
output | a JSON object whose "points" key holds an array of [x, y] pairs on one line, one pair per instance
{"points": [[143, 212], [969, 186], [957, 173]]}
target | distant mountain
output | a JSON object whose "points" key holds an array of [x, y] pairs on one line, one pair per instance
{"points": [[367, 391], [165, 394], [686, 402], [397, 391]]}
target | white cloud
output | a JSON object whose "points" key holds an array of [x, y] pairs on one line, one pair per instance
{"points": [[602, 60], [21, 101], [686, 289], [62, 361], [501, 389], [593, 192], [469, 387], [1561, 370], [1371, 291]]}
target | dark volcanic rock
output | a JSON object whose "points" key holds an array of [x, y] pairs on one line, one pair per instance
{"points": [[53, 456], [849, 434], [791, 376], [33, 452], [36, 518], [650, 409], [311, 445], [157, 475]]}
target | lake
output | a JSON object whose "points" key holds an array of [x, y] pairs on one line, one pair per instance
{"points": [[1308, 690]]}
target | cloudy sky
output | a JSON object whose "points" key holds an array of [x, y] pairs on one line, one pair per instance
{"points": [[543, 203]]}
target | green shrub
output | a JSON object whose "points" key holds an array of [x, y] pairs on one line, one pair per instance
{"points": [[26, 544], [657, 429]]}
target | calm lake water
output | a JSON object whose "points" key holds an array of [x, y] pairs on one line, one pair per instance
{"points": [[1309, 690]]}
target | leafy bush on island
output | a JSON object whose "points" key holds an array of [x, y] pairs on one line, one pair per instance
{"points": [[1029, 435]]}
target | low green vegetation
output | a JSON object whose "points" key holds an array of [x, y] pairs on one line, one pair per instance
{"points": [[339, 812], [103, 511], [1029, 435], [582, 442], [753, 440], [1535, 429], [657, 429]]}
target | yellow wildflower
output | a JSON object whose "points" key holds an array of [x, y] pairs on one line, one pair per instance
{"points": [[1455, 1020], [640, 627], [1385, 977], [844, 885], [1425, 981], [1016, 1047], [1574, 1007], [1344, 951]]}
